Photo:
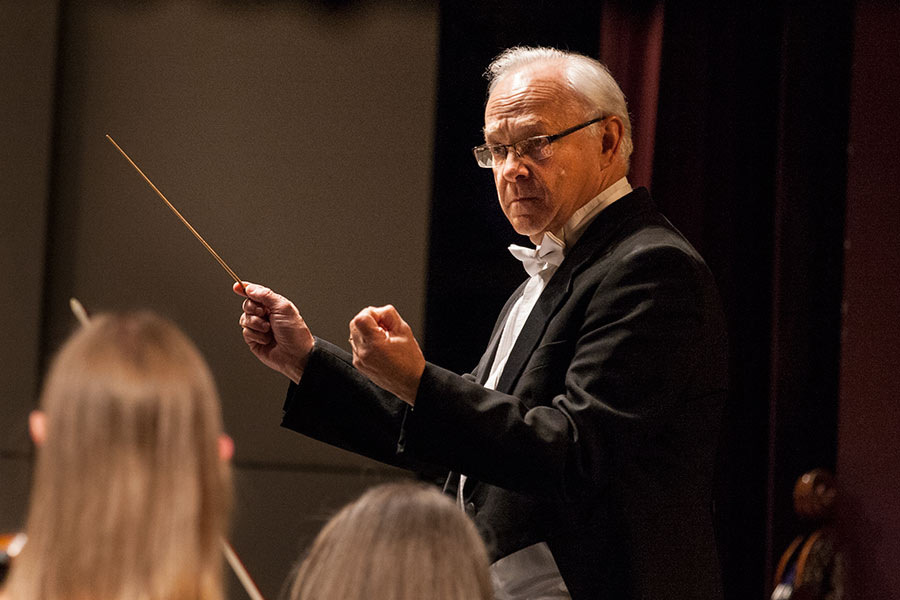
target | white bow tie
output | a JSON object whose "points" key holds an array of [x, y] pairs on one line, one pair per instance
{"points": [[535, 260]]}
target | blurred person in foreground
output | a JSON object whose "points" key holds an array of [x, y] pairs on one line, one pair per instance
{"points": [[132, 488], [583, 443], [400, 541]]}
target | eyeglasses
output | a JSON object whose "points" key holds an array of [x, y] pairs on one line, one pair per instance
{"points": [[536, 148]]}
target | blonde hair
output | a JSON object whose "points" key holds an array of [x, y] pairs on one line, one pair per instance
{"points": [[130, 497], [396, 542]]}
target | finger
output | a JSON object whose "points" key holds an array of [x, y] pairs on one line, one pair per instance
{"points": [[355, 335], [358, 321], [253, 308], [364, 327], [238, 288], [255, 323], [388, 317], [390, 320], [265, 297], [256, 337]]}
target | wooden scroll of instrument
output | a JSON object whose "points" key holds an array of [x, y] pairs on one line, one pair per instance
{"points": [[812, 567], [230, 555], [178, 214]]}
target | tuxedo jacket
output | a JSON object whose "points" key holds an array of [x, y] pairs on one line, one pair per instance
{"points": [[601, 435]]}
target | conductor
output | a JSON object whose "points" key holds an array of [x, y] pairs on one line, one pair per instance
{"points": [[583, 442]]}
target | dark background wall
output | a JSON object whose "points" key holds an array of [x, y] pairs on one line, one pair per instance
{"points": [[323, 149], [28, 45]]}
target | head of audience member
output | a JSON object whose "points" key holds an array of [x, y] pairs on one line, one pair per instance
{"points": [[396, 542], [132, 486], [536, 93]]}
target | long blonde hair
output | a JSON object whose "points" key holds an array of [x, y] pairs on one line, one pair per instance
{"points": [[396, 542], [130, 497]]}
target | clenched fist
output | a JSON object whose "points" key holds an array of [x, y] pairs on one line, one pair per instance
{"points": [[385, 351]]}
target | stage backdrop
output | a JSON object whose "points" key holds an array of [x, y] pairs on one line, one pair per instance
{"points": [[295, 136]]}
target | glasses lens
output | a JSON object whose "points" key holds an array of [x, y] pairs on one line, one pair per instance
{"points": [[535, 148], [485, 155]]}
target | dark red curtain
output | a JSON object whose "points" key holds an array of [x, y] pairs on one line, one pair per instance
{"points": [[631, 38], [750, 162], [868, 461]]}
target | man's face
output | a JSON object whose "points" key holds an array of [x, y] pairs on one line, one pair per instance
{"points": [[539, 196]]}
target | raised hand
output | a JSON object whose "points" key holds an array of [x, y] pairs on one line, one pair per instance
{"points": [[274, 330], [385, 350]]}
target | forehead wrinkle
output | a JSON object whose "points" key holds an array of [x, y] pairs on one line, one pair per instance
{"points": [[528, 102], [530, 122]]}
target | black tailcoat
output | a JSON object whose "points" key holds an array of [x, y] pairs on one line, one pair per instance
{"points": [[600, 438]]}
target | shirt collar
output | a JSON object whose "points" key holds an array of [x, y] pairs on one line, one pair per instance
{"points": [[579, 221]]}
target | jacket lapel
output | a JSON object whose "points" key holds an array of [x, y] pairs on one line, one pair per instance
{"points": [[594, 240]]}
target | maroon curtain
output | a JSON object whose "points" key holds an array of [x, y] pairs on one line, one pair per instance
{"points": [[631, 47], [750, 163], [868, 461]]}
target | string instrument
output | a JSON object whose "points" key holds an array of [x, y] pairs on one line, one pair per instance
{"points": [[812, 566]]}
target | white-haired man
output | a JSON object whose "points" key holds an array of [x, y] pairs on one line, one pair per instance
{"points": [[583, 443]]}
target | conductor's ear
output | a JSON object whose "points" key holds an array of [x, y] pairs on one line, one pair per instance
{"points": [[613, 132], [37, 426]]}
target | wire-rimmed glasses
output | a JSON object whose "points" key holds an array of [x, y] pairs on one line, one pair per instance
{"points": [[538, 147]]}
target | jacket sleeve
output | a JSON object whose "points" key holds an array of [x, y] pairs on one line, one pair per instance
{"points": [[334, 403]]}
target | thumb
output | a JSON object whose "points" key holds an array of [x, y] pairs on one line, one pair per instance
{"points": [[263, 295], [366, 325]]}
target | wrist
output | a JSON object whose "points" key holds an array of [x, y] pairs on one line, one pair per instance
{"points": [[412, 386], [294, 374], [295, 370]]}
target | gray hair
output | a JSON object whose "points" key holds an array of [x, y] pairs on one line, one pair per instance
{"points": [[402, 541], [589, 80]]}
